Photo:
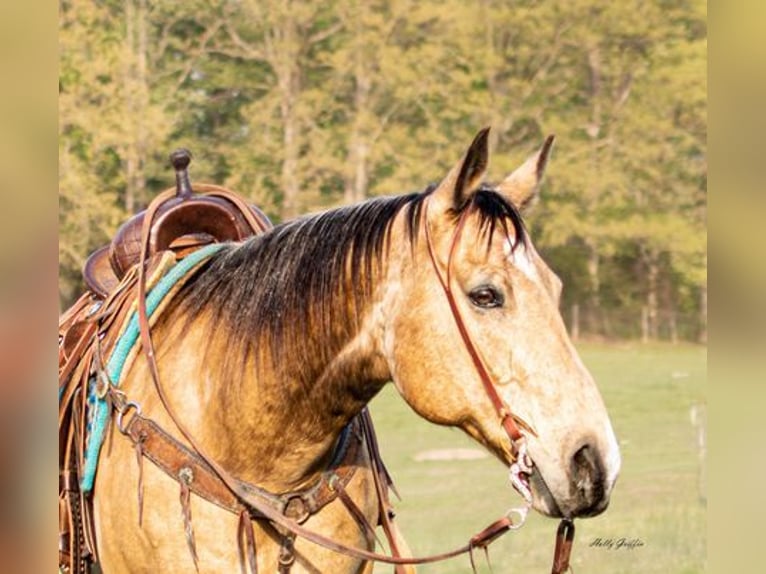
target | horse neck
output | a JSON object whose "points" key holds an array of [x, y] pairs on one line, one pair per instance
{"points": [[282, 421]]}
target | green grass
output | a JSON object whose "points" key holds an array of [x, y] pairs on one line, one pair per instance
{"points": [[649, 391]]}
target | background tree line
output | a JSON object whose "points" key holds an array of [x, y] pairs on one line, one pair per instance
{"points": [[302, 106]]}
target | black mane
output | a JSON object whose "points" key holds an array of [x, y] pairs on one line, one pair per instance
{"points": [[301, 288]]}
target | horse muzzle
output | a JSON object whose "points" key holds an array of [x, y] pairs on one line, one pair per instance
{"points": [[583, 491]]}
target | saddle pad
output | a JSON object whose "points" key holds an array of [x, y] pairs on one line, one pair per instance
{"points": [[125, 351]]}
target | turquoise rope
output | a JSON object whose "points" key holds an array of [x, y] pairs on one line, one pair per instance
{"points": [[121, 351]]}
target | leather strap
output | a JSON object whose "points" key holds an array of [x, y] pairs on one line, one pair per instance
{"points": [[355, 512], [564, 540], [380, 473], [178, 461], [509, 421], [246, 542]]}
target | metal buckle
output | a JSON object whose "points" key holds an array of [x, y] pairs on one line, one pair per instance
{"points": [[130, 405], [94, 308], [287, 552], [297, 509]]}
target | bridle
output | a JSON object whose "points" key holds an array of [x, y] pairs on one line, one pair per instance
{"points": [[522, 465], [519, 470]]}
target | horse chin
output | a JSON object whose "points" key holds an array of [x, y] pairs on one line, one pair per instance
{"points": [[543, 500]]}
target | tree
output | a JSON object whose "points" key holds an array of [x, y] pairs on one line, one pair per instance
{"points": [[301, 106], [622, 146]]}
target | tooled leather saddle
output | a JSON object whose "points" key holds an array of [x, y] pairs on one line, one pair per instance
{"points": [[183, 223]]}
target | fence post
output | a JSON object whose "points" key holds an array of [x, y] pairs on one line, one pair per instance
{"points": [[698, 415], [575, 327], [644, 324]]}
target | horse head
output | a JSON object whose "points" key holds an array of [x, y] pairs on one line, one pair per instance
{"points": [[471, 241]]}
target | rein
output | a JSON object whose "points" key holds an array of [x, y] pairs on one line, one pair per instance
{"points": [[290, 528]]}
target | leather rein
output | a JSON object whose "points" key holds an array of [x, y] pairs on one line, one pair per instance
{"points": [[253, 506]]}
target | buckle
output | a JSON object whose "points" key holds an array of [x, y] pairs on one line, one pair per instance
{"points": [[126, 408], [296, 509], [522, 512]]}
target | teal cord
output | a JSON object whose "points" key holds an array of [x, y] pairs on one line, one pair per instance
{"points": [[122, 349]]}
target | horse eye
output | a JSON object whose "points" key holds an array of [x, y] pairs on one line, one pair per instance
{"points": [[486, 297]]}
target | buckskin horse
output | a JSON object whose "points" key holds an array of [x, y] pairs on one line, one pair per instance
{"points": [[248, 392]]}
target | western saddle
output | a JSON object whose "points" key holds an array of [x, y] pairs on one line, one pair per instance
{"points": [[194, 217], [183, 219]]}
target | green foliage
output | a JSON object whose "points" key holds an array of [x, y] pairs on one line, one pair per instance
{"points": [[302, 106]]}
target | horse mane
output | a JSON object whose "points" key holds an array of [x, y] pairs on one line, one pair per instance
{"points": [[301, 289]]}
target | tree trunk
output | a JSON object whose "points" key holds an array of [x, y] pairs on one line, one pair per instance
{"points": [[142, 82], [575, 327], [593, 129], [650, 257], [289, 81], [136, 89], [673, 326], [494, 67], [290, 160], [652, 275], [361, 175], [644, 324], [131, 161], [593, 317], [594, 67], [357, 178]]}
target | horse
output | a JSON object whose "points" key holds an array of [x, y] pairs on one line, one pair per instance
{"points": [[277, 343]]}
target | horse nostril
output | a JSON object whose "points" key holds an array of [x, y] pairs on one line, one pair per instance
{"points": [[584, 460], [588, 479]]}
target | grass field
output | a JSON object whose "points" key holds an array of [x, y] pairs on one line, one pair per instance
{"points": [[659, 498]]}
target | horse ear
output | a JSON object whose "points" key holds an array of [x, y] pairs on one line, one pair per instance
{"points": [[522, 186], [463, 179]]}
